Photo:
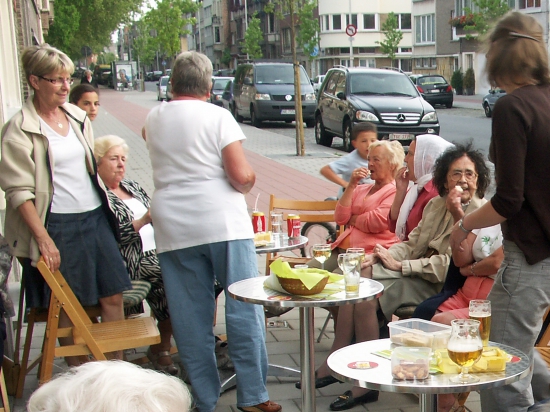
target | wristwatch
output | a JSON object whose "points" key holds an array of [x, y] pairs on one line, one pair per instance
{"points": [[461, 226]]}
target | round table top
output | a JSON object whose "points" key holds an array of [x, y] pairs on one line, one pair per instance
{"points": [[380, 377], [282, 243], [253, 291]]}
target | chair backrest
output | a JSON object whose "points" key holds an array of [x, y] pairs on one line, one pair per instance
{"points": [[323, 209]]}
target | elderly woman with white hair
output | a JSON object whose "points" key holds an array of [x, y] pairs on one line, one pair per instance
{"points": [[57, 208], [113, 386], [203, 232], [130, 204]]}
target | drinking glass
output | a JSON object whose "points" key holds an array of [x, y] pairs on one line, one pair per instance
{"points": [[361, 252], [352, 276], [480, 310], [465, 348], [321, 253], [341, 262], [276, 224]]}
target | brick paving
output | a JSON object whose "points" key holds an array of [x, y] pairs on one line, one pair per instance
{"points": [[278, 171]]}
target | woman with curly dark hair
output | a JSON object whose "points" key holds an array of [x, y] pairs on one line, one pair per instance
{"points": [[413, 270], [517, 61]]}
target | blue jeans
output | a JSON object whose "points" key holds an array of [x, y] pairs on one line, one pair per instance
{"points": [[519, 299], [189, 283]]}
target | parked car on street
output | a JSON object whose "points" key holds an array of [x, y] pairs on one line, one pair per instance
{"points": [[265, 91], [490, 99], [218, 86], [157, 74], [434, 89], [149, 76], [385, 97], [224, 73], [161, 88], [317, 81], [227, 96]]}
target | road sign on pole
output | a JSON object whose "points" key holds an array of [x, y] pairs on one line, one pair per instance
{"points": [[351, 30]]}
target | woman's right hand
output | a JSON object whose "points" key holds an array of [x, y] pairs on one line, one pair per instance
{"points": [[454, 203], [402, 179], [358, 175], [50, 253]]}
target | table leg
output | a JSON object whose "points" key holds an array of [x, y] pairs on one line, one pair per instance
{"points": [[307, 362], [428, 402]]}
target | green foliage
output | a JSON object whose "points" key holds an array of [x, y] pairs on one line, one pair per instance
{"points": [[308, 33], [457, 81], [469, 79], [253, 37], [393, 36], [226, 57], [80, 23], [144, 45], [106, 58], [487, 13]]}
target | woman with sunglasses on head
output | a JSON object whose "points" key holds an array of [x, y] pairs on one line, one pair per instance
{"points": [[517, 61], [57, 207]]}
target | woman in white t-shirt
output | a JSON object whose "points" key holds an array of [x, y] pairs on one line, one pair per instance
{"points": [[56, 206]]}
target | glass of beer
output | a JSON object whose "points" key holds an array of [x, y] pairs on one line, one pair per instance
{"points": [[465, 348], [481, 310], [321, 253]]}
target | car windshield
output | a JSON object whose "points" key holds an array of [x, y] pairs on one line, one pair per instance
{"points": [[164, 81], [219, 84], [278, 74], [382, 84], [431, 80]]}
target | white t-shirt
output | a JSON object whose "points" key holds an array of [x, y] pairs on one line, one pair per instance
{"points": [[487, 241], [193, 203], [73, 191], [346, 165], [146, 233]]}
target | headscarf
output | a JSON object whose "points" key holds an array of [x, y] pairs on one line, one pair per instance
{"points": [[428, 148]]}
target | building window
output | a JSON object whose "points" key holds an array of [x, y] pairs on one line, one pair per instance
{"points": [[286, 40], [353, 19], [271, 23], [525, 4], [461, 5], [217, 35], [424, 29], [404, 21], [366, 50], [344, 63], [336, 22], [433, 62], [406, 65], [369, 21], [344, 50], [417, 63], [404, 50], [367, 63], [425, 62]]}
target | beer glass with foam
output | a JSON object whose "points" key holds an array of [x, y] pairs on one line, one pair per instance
{"points": [[481, 310], [465, 348]]}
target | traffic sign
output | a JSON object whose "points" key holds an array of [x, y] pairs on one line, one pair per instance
{"points": [[351, 30], [164, 63], [315, 52]]}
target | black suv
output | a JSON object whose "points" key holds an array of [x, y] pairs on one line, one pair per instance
{"points": [[385, 97]]}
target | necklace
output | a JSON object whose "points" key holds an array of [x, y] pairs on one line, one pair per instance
{"points": [[56, 120]]}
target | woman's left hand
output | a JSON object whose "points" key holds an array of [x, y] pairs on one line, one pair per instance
{"points": [[387, 259]]}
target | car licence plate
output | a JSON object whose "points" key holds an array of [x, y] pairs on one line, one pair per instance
{"points": [[399, 136], [435, 91], [288, 111]]}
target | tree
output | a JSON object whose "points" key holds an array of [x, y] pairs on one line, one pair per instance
{"points": [[144, 45], [226, 57], [303, 33], [484, 14], [87, 22], [393, 35], [253, 37], [168, 20]]}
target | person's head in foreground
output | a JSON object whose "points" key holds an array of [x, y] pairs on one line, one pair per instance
{"points": [[192, 75], [363, 135], [517, 53], [465, 167], [86, 97], [111, 386]]}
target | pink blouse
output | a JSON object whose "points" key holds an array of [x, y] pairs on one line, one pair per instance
{"points": [[371, 225]]}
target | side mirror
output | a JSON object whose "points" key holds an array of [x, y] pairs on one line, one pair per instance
{"points": [[341, 95]]}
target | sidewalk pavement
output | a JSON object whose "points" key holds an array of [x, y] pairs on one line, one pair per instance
{"points": [[278, 171]]}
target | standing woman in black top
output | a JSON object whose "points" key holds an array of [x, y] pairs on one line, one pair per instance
{"points": [[517, 61]]}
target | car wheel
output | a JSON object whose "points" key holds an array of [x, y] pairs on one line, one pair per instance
{"points": [[310, 123], [448, 105], [254, 118], [347, 137], [236, 115], [487, 109], [321, 135]]}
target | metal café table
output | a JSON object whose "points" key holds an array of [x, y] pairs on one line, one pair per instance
{"points": [[379, 377], [282, 243], [253, 291]]}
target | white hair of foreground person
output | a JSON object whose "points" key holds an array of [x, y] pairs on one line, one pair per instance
{"points": [[111, 386]]}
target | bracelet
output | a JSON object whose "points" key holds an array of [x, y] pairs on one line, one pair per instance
{"points": [[461, 226], [472, 269]]}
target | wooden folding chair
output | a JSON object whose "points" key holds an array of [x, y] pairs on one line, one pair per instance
{"points": [[96, 339], [543, 341], [315, 211], [4, 394]]}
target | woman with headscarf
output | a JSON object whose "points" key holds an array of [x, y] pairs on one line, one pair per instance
{"points": [[410, 200]]}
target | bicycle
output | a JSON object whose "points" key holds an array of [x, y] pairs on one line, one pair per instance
{"points": [[317, 232]]}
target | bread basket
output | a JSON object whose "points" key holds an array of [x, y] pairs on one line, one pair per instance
{"points": [[296, 286]]}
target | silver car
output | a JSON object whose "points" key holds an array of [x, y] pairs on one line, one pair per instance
{"points": [[490, 99], [161, 87]]}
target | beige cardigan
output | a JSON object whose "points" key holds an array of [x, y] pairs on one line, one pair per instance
{"points": [[26, 171]]}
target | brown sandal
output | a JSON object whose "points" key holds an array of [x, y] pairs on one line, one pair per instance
{"points": [[169, 369]]}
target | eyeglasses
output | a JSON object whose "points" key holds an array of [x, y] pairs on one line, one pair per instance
{"points": [[59, 81], [468, 175]]}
